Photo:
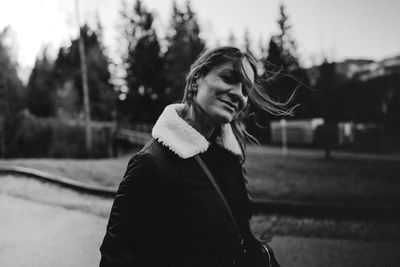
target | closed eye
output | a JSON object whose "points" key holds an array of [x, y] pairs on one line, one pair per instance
{"points": [[229, 77]]}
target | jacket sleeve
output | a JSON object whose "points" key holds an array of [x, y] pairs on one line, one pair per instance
{"points": [[129, 235]]}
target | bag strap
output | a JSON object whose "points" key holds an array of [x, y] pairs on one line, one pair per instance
{"points": [[265, 248], [219, 191]]}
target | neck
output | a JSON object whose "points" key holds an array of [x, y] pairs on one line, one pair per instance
{"points": [[201, 121]]}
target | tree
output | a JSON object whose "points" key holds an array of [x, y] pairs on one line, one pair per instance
{"points": [[282, 63], [377, 101], [184, 46], [41, 87], [390, 105], [393, 114], [282, 49], [67, 71], [327, 85], [284, 80], [12, 91], [144, 64]]}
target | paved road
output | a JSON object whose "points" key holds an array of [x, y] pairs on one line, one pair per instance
{"points": [[44, 225], [37, 234]]}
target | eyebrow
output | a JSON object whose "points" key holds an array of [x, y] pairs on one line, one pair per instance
{"points": [[229, 71]]}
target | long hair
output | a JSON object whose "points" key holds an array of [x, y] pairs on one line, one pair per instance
{"points": [[258, 96]]}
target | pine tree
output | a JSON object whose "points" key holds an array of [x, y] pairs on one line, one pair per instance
{"points": [[144, 64], [282, 62], [184, 46], [12, 93], [282, 47], [67, 71], [41, 87]]}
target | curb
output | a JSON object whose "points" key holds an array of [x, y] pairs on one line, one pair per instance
{"points": [[59, 180], [298, 209]]}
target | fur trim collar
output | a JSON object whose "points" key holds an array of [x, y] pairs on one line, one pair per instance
{"points": [[184, 140]]}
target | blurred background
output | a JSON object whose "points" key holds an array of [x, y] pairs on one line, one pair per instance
{"points": [[82, 83], [342, 57]]}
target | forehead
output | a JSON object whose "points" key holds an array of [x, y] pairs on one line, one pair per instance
{"points": [[230, 68]]}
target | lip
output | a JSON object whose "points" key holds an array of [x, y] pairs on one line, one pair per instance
{"points": [[229, 104]]}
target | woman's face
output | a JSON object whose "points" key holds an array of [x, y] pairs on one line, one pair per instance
{"points": [[219, 95]]}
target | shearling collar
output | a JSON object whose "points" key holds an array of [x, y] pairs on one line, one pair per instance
{"points": [[184, 140]]}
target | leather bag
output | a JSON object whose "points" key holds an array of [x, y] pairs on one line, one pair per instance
{"points": [[253, 252]]}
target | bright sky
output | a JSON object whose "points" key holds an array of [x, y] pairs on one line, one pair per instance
{"points": [[338, 29]]}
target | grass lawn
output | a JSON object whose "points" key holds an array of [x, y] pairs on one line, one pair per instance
{"points": [[355, 181], [270, 175]]}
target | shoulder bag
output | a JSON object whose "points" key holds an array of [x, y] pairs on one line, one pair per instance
{"points": [[254, 253]]}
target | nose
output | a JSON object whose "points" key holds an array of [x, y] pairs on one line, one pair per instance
{"points": [[237, 96]]}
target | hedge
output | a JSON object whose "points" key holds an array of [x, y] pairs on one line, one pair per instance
{"points": [[24, 135]]}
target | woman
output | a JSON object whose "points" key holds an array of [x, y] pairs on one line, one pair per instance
{"points": [[167, 212]]}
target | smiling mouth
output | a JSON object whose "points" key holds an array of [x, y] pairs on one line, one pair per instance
{"points": [[229, 104]]}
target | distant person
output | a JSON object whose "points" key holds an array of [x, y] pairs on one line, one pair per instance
{"points": [[167, 211]]}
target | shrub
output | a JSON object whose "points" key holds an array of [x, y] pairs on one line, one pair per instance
{"points": [[29, 136]]}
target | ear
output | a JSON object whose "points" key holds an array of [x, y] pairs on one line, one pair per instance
{"points": [[195, 85]]}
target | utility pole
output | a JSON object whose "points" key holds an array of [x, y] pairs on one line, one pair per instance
{"points": [[86, 102]]}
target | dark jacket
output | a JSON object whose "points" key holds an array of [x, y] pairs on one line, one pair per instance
{"points": [[169, 214], [166, 211]]}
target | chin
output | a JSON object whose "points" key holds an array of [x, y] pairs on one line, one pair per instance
{"points": [[224, 121], [223, 117]]}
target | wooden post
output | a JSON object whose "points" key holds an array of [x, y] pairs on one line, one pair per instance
{"points": [[86, 102]]}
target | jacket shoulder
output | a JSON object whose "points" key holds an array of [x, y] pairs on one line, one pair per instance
{"points": [[153, 157], [153, 148]]}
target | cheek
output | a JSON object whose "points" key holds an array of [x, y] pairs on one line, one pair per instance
{"points": [[203, 99], [206, 94]]}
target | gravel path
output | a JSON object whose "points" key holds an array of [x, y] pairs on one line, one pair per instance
{"points": [[45, 225]]}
